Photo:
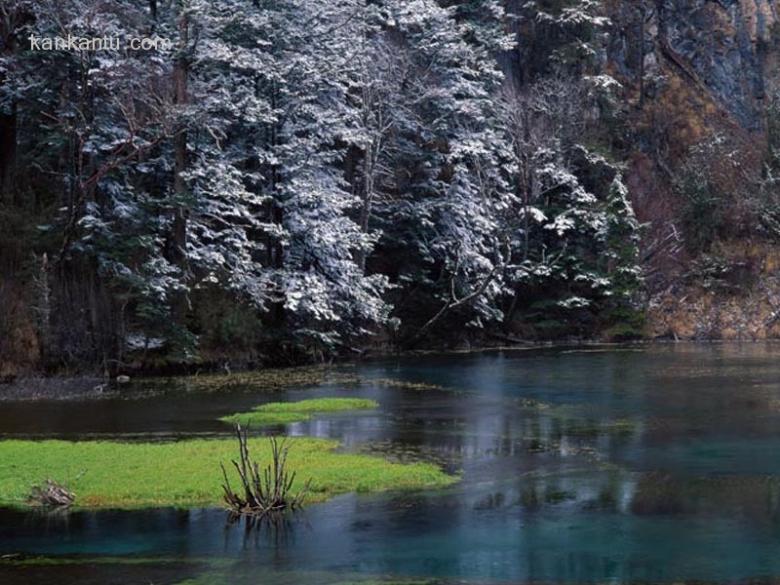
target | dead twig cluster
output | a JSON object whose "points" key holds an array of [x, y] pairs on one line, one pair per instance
{"points": [[266, 492], [51, 495]]}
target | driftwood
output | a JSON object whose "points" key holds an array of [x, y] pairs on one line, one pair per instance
{"points": [[262, 493], [51, 495]]}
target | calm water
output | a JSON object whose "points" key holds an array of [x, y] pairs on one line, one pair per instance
{"points": [[623, 465]]}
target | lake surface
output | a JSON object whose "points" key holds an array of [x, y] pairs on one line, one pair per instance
{"points": [[652, 464]]}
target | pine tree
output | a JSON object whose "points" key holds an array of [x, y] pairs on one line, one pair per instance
{"points": [[622, 243], [443, 217], [327, 298]]}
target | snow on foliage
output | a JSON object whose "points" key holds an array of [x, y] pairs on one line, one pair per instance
{"points": [[334, 166]]}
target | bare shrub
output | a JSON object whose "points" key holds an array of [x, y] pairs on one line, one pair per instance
{"points": [[261, 493], [51, 495]]}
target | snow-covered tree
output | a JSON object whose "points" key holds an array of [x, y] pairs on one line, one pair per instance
{"points": [[227, 228], [104, 115], [570, 206], [325, 168], [562, 35], [325, 294], [622, 243], [441, 208]]}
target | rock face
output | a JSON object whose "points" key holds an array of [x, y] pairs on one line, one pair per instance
{"points": [[721, 41], [693, 68], [743, 308], [719, 46]]}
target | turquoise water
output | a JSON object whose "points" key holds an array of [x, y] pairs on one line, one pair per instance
{"points": [[658, 464]]}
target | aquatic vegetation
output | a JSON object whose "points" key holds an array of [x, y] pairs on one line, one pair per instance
{"points": [[269, 380], [279, 413], [192, 571], [318, 405], [536, 445], [407, 453], [558, 496], [403, 384], [623, 426], [320, 577], [533, 404], [107, 474], [258, 418], [388, 581], [533, 496], [22, 560], [587, 428], [100, 569]]}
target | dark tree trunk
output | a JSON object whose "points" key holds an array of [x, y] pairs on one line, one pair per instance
{"points": [[181, 98], [8, 127], [8, 118], [178, 236]]}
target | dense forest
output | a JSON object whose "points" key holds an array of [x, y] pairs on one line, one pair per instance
{"points": [[288, 180]]}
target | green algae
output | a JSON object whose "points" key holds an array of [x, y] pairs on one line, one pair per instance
{"points": [[279, 413]]}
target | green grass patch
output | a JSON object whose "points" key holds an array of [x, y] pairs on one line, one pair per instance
{"points": [[107, 474], [279, 413], [255, 418], [317, 405]]}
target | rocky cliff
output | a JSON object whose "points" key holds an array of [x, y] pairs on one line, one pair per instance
{"points": [[692, 69], [721, 48]]}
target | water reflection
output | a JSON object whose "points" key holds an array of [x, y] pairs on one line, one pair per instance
{"points": [[659, 465]]}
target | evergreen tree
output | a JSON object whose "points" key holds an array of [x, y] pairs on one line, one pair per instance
{"points": [[622, 242], [325, 169]]}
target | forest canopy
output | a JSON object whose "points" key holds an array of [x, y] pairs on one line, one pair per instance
{"points": [[291, 179]]}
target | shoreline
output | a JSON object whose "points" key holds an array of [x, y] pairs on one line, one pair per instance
{"points": [[58, 387]]}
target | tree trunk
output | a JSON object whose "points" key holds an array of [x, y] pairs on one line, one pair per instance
{"points": [[180, 82], [178, 236], [8, 128], [8, 123], [366, 204]]}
